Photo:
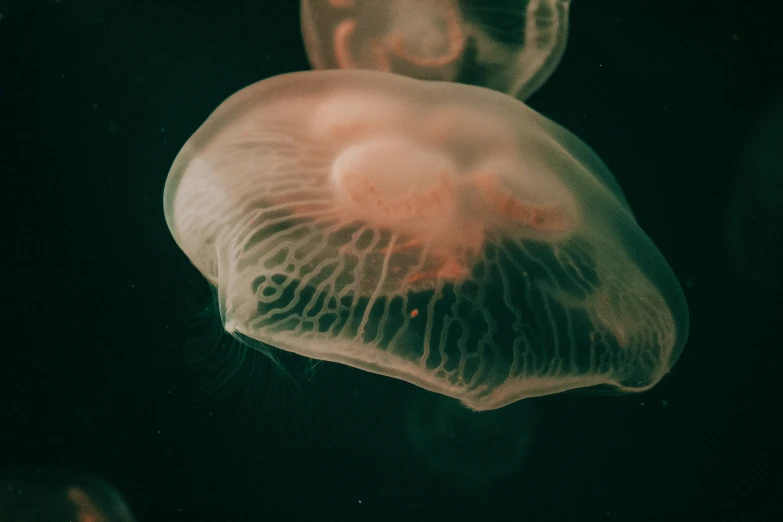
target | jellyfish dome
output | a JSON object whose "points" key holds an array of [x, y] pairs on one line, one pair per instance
{"points": [[512, 46], [443, 234]]}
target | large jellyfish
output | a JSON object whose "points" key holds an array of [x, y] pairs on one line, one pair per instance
{"points": [[443, 234], [511, 46]]}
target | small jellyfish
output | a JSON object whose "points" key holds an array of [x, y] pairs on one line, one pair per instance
{"points": [[471, 447], [512, 46], [29, 495], [439, 233]]}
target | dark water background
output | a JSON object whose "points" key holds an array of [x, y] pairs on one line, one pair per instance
{"points": [[110, 358]]}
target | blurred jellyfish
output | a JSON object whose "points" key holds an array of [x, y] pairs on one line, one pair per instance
{"points": [[755, 222], [471, 447], [48, 495], [438, 233], [512, 46]]}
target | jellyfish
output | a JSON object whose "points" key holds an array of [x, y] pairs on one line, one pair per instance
{"points": [[754, 231], [439, 233], [50, 494], [473, 448], [512, 46]]}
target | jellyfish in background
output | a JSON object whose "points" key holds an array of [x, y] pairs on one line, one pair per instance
{"points": [[754, 232], [46, 494], [439, 233], [512, 46], [471, 447]]}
